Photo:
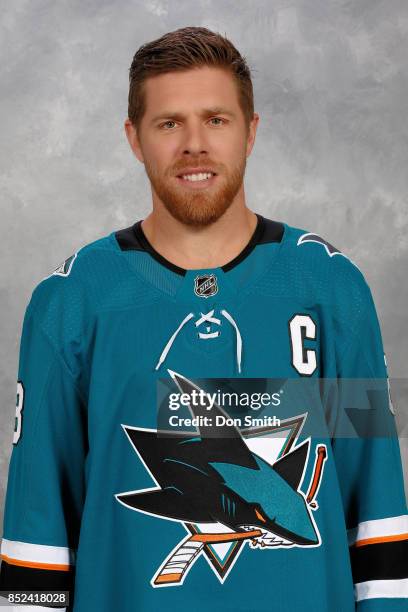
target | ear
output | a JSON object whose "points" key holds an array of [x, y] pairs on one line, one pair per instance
{"points": [[252, 133], [133, 139]]}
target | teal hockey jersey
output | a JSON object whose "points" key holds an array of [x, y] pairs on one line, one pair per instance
{"points": [[185, 440]]}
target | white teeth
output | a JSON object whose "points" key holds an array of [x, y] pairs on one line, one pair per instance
{"points": [[197, 177]]}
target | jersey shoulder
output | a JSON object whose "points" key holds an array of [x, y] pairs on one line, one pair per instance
{"points": [[93, 278], [311, 245], [74, 272], [312, 249], [61, 303], [77, 263], [326, 271]]}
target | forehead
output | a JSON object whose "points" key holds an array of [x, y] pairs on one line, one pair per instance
{"points": [[203, 86]]}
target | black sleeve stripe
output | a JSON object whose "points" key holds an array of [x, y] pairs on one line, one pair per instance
{"points": [[20, 578], [382, 561]]}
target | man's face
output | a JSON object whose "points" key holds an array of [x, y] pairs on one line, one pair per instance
{"points": [[192, 120]]}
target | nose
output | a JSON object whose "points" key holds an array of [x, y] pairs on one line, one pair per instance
{"points": [[194, 139]]}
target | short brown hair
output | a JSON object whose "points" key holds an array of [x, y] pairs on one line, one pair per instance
{"points": [[183, 49]]}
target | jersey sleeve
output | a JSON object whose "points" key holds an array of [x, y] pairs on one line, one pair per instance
{"points": [[45, 487], [368, 462]]}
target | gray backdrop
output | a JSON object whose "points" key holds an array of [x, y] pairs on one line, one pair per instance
{"points": [[331, 87]]}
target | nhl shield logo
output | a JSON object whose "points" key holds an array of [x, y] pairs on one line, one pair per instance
{"points": [[206, 285]]}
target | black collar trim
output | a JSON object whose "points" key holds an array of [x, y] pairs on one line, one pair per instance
{"points": [[133, 239]]}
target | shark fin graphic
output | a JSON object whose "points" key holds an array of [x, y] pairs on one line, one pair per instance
{"points": [[290, 466], [168, 502], [225, 441]]}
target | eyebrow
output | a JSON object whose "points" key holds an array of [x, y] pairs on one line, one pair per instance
{"points": [[217, 110]]}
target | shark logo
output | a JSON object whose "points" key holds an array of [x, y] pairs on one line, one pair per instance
{"points": [[242, 486]]}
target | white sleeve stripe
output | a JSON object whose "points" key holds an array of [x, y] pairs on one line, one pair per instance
{"points": [[381, 588], [37, 553], [380, 528]]}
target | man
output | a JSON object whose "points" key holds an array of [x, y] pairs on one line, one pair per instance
{"points": [[132, 484]]}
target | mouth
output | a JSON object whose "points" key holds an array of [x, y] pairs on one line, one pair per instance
{"points": [[198, 181], [267, 538]]}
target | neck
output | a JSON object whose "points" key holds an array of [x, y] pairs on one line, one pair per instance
{"points": [[204, 247]]}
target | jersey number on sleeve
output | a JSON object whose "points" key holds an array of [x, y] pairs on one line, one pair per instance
{"points": [[19, 412]]}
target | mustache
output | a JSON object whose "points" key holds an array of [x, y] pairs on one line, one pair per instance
{"points": [[185, 169]]}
